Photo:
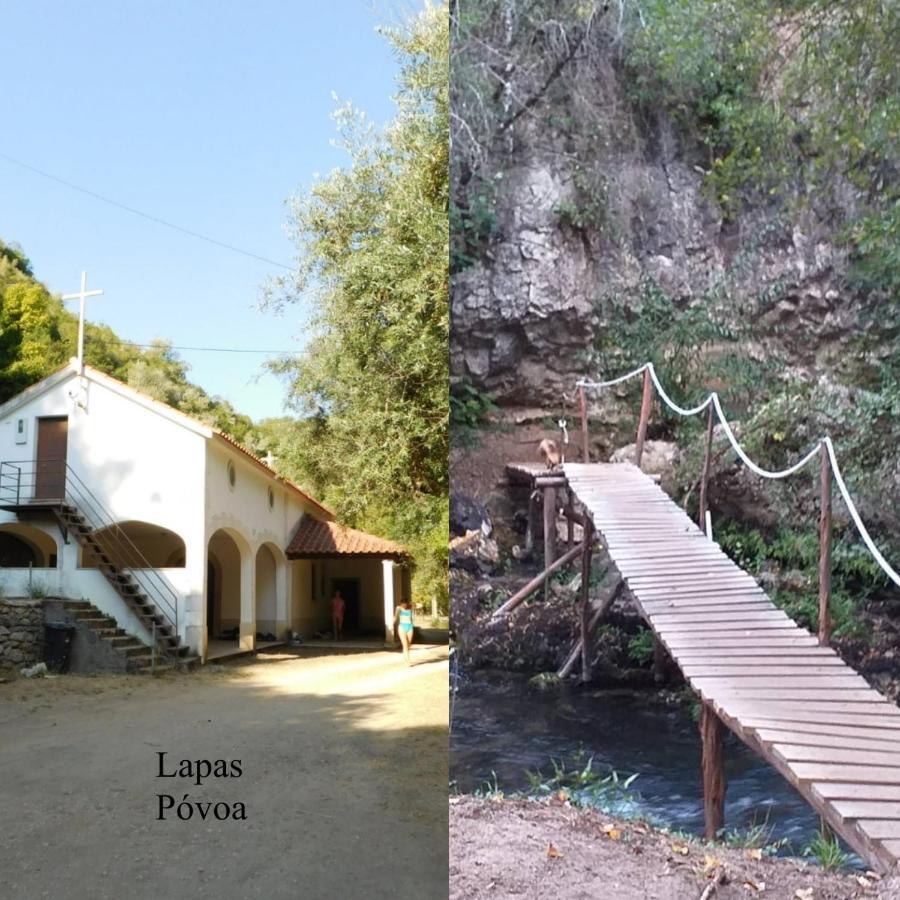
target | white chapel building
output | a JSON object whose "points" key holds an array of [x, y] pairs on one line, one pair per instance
{"points": [[173, 528]]}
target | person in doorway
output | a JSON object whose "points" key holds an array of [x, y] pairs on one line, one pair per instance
{"points": [[403, 627], [338, 608]]}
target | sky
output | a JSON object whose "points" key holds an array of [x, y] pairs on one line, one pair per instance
{"points": [[209, 115]]}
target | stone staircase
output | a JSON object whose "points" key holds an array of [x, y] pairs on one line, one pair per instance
{"points": [[169, 647], [136, 657]]}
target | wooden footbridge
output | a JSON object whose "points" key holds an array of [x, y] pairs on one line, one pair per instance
{"points": [[781, 689]]}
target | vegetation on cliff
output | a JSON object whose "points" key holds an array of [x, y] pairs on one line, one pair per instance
{"points": [[785, 119]]}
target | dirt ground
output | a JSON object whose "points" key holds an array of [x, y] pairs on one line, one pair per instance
{"points": [[344, 781], [523, 849], [479, 470]]}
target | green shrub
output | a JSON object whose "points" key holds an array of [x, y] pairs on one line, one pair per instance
{"points": [[584, 785], [640, 647], [473, 222], [469, 408], [826, 850], [855, 576]]}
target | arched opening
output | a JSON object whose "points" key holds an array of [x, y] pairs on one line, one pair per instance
{"points": [[22, 546], [136, 545], [266, 594], [224, 588]]}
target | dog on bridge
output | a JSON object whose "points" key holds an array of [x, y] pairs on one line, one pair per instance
{"points": [[550, 453]]}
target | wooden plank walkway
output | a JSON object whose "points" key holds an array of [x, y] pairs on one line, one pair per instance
{"points": [[794, 702]]}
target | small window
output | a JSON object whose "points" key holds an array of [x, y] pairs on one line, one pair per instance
{"points": [[271, 499], [232, 475], [21, 431]]}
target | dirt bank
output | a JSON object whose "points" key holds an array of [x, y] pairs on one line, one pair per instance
{"points": [[344, 760], [522, 849]]}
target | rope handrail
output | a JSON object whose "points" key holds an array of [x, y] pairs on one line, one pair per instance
{"points": [[713, 398]]}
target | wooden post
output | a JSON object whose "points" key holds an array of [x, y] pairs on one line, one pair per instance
{"points": [[549, 533], [704, 475], [825, 548], [535, 583], [585, 447], [646, 397], [587, 645], [713, 768], [531, 528], [570, 521], [597, 613], [659, 661]]}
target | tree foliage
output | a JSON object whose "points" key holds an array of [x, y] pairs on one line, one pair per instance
{"points": [[372, 382], [796, 103], [38, 335]]}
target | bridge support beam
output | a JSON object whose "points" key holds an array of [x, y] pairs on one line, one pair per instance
{"points": [[712, 733], [549, 533], [660, 661], [535, 583], [587, 643], [597, 613]]}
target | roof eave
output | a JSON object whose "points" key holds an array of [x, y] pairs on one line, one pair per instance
{"points": [[284, 482], [399, 557], [35, 390]]}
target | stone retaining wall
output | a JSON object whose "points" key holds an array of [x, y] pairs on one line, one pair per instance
{"points": [[21, 632]]}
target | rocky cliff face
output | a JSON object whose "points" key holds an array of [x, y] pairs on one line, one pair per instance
{"points": [[527, 315]]}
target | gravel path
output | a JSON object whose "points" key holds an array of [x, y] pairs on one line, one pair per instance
{"points": [[344, 761]]}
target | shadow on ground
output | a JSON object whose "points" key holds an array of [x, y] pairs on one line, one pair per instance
{"points": [[344, 780]]}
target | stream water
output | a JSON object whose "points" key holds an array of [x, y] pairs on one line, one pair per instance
{"points": [[502, 726]]}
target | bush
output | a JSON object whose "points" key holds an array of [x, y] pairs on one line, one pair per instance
{"points": [[640, 647], [469, 408]]}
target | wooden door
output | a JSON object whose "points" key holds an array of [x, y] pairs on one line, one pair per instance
{"points": [[52, 442]]}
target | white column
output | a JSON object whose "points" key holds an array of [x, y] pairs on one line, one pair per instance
{"points": [[387, 571], [283, 588], [248, 600], [192, 611]]}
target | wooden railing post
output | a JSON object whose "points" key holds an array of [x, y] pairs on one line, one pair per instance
{"points": [[570, 520], [704, 475], [587, 645], [713, 765], [582, 407], [549, 533], [646, 397], [825, 547]]}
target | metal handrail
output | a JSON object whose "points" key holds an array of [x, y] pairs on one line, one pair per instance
{"points": [[106, 531]]}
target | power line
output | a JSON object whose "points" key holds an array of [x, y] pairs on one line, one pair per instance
{"points": [[143, 215], [165, 346]]}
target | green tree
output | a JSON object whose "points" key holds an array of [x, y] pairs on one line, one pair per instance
{"points": [[38, 335], [374, 247]]}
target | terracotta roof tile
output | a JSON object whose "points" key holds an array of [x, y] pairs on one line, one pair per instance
{"points": [[316, 538]]}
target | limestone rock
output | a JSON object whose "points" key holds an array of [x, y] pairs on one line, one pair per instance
{"points": [[467, 514], [659, 457]]}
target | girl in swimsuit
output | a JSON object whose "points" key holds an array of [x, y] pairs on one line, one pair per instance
{"points": [[338, 607], [403, 623]]}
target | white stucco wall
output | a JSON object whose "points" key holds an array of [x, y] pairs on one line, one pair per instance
{"points": [[146, 463], [309, 613], [138, 463]]}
